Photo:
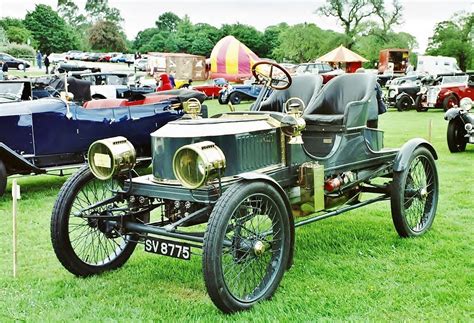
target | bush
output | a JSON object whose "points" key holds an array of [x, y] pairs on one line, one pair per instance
{"points": [[18, 51]]}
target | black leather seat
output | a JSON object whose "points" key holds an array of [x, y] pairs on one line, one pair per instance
{"points": [[305, 87], [343, 101]]}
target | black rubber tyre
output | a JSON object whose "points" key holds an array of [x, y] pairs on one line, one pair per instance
{"points": [[20, 67], [98, 97], [418, 104], [235, 98], [3, 178], [252, 219], [111, 251], [456, 136], [450, 101], [220, 100], [414, 195], [404, 103]]}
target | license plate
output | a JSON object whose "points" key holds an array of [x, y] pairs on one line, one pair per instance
{"points": [[168, 248]]}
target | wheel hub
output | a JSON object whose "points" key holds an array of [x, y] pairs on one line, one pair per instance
{"points": [[423, 192], [258, 248]]}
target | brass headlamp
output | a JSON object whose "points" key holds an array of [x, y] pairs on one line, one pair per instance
{"points": [[196, 164], [111, 156]]}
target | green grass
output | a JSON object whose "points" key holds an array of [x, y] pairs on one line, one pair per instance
{"points": [[352, 267]]}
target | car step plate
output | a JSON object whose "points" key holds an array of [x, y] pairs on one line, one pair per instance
{"points": [[168, 248]]}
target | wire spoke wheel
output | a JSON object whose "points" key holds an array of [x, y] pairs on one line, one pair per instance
{"points": [[96, 242], [246, 246], [415, 195], [84, 243]]}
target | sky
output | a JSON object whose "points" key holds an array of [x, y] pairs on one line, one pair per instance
{"points": [[419, 16]]}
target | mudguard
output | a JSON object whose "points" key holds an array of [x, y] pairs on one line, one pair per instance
{"points": [[452, 114], [404, 154], [16, 163], [262, 177]]}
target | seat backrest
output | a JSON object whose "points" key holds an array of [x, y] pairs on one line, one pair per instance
{"points": [[340, 91], [305, 87]]}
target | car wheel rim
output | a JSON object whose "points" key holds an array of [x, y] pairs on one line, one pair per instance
{"points": [[419, 194], [253, 253], [95, 242]]}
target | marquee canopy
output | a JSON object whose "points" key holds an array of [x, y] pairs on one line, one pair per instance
{"points": [[341, 55]]}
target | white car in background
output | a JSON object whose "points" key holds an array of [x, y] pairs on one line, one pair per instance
{"points": [[55, 58]]}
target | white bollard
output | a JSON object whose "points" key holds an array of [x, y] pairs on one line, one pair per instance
{"points": [[16, 197]]}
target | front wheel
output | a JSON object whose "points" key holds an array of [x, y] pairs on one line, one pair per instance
{"points": [[450, 101], [20, 67], [456, 136], [419, 104], [414, 195], [246, 246], [88, 246]]}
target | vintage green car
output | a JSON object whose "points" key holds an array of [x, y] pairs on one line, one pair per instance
{"points": [[238, 184]]}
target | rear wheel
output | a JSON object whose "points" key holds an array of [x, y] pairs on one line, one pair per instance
{"points": [[414, 195], [220, 99], [235, 98], [246, 246], [404, 103], [450, 101], [3, 178], [88, 246], [456, 136]]}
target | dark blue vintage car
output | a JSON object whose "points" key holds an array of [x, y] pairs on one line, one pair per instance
{"points": [[238, 93], [51, 134]]}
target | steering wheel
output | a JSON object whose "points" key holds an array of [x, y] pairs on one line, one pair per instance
{"points": [[276, 75]]}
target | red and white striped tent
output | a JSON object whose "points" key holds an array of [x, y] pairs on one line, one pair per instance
{"points": [[232, 60]]}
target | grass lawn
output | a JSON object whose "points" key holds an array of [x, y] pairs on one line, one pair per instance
{"points": [[352, 267]]}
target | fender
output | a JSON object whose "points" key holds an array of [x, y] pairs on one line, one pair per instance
{"points": [[452, 113], [404, 154], [15, 163], [262, 177], [399, 96]]}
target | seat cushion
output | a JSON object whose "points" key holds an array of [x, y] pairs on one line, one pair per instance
{"points": [[324, 119]]}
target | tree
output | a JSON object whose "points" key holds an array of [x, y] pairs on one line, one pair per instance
{"points": [[354, 14], [144, 37], [271, 40], [98, 10], [455, 38], [248, 35], [104, 35], [3, 37], [304, 42], [15, 30], [168, 22], [50, 31], [71, 13]]}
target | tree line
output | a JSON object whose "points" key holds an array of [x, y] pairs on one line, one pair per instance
{"points": [[367, 24]]}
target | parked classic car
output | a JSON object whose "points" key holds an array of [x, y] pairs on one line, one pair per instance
{"points": [[50, 134], [212, 88], [110, 85], [13, 62], [323, 69], [235, 94], [402, 92], [238, 184], [460, 127], [15, 90], [449, 93], [66, 67]]}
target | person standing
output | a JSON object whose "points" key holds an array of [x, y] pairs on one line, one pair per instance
{"points": [[5, 70], [46, 63], [39, 59]]}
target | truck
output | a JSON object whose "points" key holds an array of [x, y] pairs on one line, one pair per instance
{"points": [[393, 60], [435, 65]]}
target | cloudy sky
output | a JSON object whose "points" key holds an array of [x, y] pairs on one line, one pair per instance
{"points": [[420, 16]]}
